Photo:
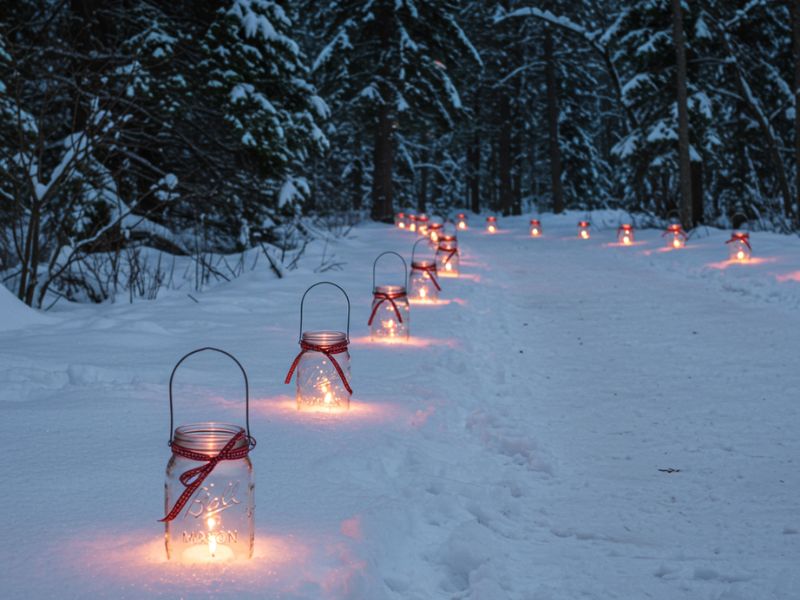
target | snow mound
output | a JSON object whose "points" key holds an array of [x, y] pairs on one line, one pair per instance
{"points": [[15, 314]]}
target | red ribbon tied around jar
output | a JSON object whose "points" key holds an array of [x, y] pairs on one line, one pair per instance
{"points": [[382, 297], [193, 478], [431, 270], [328, 351], [451, 252], [743, 237]]}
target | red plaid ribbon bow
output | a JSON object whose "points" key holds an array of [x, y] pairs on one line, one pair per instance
{"points": [[740, 237], [193, 478], [431, 270], [381, 298], [328, 351], [451, 252]]}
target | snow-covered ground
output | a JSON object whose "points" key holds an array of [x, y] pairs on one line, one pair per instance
{"points": [[516, 449]]}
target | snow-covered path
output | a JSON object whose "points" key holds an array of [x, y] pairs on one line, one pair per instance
{"points": [[513, 451]]}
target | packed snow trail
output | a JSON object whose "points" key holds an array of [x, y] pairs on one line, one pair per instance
{"points": [[576, 420]]}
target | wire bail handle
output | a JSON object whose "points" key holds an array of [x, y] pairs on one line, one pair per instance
{"points": [[346, 297], [414, 249], [250, 440], [375, 264]]}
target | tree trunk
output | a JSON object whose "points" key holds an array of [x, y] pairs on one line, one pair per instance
{"points": [[474, 182], [382, 208], [697, 193], [683, 115], [795, 9], [504, 153], [358, 181], [552, 122]]}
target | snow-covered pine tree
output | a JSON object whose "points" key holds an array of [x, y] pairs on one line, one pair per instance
{"points": [[384, 67]]}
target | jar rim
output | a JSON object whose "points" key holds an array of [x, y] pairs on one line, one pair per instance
{"points": [[208, 436], [422, 263], [324, 337], [392, 290]]}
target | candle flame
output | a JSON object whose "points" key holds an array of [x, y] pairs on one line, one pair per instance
{"points": [[584, 234], [462, 225], [434, 237], [676, 243], [492, 229], [423, 292], [740, 255], [212, 539], [626, 240], [534, 232], [448, 267], [412, 227], [401, 225]]}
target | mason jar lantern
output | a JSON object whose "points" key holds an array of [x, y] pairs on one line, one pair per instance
{"points": [[536, 228], [491, 224], [675, 235], [411, 222], [447, 258], [423, 284], [422, 225], [389, 318], [435, 230], [625, 234], [583, 230], [400, 220], [209, 486], [322, 365], [739, 246], [462, 222]]}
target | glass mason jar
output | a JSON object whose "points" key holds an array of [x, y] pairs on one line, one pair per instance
{"points": [[536, 228], [411, 222], [435, 233], [491, 224], [583, 230], [216, 524], [400, 220], [422, 225], [461, 222], [625, 234], [739, 247], [675, 236], [422, 285], [390, 316], [447, 260], [320, 386]]}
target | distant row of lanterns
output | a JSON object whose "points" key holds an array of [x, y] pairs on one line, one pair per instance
{"points": [[676, 238]]}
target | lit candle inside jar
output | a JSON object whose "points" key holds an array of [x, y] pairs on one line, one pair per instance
{"points": [[212, 538], [626, 240], [676, 243], [585, 234], [423, 292], [740, 255], [448, 266]]}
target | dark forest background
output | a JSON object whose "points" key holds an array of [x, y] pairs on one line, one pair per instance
{"points": [[136, 129]]}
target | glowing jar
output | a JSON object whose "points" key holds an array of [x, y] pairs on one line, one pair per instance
{"points": [[390, 314], [447, 259], [462, 223], [423, 283], [583, 230], [536, 228], [675, 235], [422, 225], [322, 366], [625, 234], [435, 232], [739, 246], [411, 222], [491, 224], [400, 220], [209, 515]]}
